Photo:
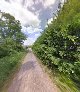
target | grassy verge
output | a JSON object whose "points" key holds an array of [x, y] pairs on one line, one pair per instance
{"points": [[63, 82], [8, 65]]}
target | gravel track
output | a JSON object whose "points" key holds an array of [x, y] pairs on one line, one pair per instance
{"points": [[32, 78]]}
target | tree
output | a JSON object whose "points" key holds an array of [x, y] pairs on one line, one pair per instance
{"points": [[11, 37], [9, 27]]}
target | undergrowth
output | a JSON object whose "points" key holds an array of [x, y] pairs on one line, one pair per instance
{"points": [[7, 65]]}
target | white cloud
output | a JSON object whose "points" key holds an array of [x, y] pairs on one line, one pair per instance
{"points": [[37, 35], [30, 21], [31, 30], [50, 20], [20, 13], [48, 3], [30, 41]]}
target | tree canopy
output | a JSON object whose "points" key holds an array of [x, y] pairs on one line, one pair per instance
{"points": [[11, 37]]}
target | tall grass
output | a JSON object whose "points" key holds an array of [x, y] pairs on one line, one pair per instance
{"points": [[7, 65], [63, 81]]}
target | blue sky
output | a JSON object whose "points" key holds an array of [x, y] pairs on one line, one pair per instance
{"points": [[33, 15]]}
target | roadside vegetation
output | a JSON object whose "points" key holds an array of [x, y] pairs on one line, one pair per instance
{"points": [[11, 49], [59, 46]]}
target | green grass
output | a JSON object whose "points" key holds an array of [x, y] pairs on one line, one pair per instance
{"points": [[7, 65], [64, 82]]}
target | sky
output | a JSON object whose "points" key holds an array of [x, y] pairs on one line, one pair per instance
{"points": [[33, 15]]}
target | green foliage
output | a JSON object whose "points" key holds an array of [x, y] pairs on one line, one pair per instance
{"points": [[7, 65], [59, 44], [11, 49], [11, 37], [11, 28]]}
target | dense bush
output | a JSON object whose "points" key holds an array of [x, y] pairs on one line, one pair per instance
{"points": [[7, 65], [59, 44]]}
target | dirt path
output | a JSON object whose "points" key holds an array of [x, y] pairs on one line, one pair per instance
{"points": [[31, 78]]}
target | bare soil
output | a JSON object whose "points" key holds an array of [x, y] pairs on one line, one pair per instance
{"points": [[31, 77]]}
